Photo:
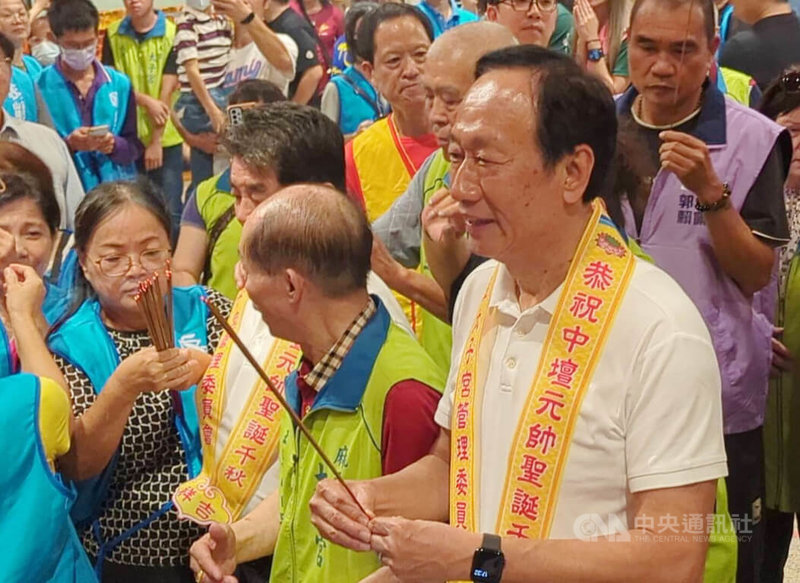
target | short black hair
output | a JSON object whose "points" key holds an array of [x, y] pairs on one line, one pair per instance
{"points": [[299, 143], [571, 108], [385, 12], [72, 15], [6, 46], [706, 7], [781, 96], [256, 90], [351, 20]]}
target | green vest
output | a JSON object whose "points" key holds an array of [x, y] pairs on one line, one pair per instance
{"points": [[782, 417], [737, 85], [436, 336], [143, 61], [350, 433], [213, 200]]}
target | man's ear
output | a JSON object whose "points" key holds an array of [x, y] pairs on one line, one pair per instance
{"points": [[367, 69], [577, 171], [295, 285]]}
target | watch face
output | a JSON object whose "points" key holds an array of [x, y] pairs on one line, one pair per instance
{"points": [[487, 566]]}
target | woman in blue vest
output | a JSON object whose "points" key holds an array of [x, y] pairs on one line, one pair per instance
{"points": [[29, 232], [40, 543], [136, 433]]}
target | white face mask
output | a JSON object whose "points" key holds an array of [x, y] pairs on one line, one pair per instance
{"points": [[46, 52], [79, 59], [198, 4]]}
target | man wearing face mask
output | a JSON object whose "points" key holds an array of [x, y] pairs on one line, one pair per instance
{"points": [[93, 108]]}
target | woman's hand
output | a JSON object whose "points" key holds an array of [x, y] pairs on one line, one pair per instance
{"points": [[587, 26], [24, 291], [149, 371]]}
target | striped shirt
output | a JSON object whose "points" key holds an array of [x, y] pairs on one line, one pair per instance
{"points": [[207, 38]]}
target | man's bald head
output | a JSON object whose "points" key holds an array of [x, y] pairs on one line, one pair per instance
{"points": [[314, 230], [465, 44], [450, 69]]}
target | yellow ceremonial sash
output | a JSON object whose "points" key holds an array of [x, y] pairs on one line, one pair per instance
{"points": [[592, 293], [225, 484]]}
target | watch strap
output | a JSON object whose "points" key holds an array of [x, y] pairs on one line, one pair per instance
{"points": [[491, 542], [249, 18]]}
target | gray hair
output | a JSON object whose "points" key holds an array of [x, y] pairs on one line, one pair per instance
{"points": [[316, 231]]}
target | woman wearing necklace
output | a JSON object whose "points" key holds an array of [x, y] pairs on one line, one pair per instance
{"points": [[781, 102]]}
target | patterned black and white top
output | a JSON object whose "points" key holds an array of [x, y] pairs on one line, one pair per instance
{"points": [[150, 466]]}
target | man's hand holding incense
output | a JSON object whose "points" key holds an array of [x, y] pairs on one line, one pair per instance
{"points": [[404, 547], [689, 159], [149, 371], [212, 558], [337, 517]]}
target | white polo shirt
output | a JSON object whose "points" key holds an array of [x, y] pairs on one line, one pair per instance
{"points": [[651, 417]]}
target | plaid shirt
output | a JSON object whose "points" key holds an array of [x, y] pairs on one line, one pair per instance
{"points": [[330, 363]]}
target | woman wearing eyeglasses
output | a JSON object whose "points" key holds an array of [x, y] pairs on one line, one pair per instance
{"points": [[781, 102], [135, 437], [601, 43]]}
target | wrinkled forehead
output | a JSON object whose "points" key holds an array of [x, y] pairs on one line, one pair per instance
{"points": [[497, 97]]}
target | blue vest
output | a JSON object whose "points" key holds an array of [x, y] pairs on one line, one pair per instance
{"points": [[110, 108], [83, 340], [358, 100], [41, 543], [55, 304], [21, 99], [725, 17], [33, 67]]}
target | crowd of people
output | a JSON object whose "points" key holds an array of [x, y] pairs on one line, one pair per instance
{"points": [[525, 274]]}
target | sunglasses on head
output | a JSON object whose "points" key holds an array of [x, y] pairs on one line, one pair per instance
{"points": [[791, 82]]}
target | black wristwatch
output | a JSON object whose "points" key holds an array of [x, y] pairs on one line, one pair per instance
{"points": [[488, 561]]}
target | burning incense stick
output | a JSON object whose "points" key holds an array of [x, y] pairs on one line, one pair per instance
{"points": [[282, 400]]}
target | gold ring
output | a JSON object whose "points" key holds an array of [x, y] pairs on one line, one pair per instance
{"points": [[199, 577]]}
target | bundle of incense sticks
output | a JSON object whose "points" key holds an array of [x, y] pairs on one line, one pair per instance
{"points": [[156, 305]]}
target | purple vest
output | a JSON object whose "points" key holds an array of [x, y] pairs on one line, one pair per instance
{"points": [[675, 235]]}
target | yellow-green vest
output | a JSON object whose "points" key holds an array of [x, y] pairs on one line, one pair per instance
{"points": [[143, 62], [347, 421], [213, 201], [436, 336]]}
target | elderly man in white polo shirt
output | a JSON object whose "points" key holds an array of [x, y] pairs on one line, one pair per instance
{"points": [[584, 395], [43, 142]]}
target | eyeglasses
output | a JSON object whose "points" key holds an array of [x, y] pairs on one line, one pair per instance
{"points": [[791, 82], [20, 15], [119, 265], [543, 6]]}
